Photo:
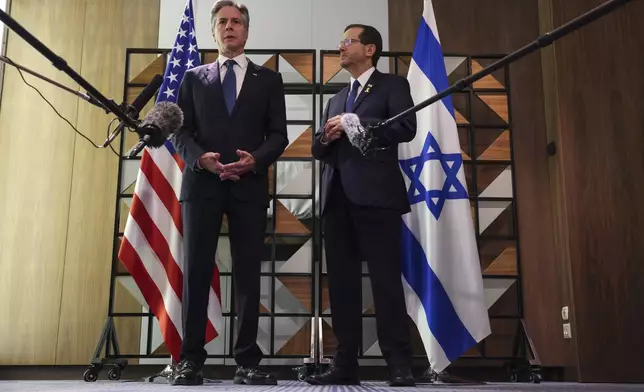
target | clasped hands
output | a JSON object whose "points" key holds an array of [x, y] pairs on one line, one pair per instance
{"points": [[333, 129], [232, 171]]}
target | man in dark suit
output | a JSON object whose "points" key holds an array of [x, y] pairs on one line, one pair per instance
{"points": [[234, 130], [362, 200]]}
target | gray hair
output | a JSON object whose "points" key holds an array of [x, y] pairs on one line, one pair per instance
{"points": [[243, 10]]}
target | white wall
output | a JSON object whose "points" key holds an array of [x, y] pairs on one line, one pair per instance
{"points": [[283, 24]]}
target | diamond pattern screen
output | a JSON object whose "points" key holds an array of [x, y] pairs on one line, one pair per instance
{"points": [[289, 296]]}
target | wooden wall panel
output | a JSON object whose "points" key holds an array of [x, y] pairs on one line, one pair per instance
{"points": [[57, 192], [36, 150], [91, 215], [600, 90], [500, 27]]}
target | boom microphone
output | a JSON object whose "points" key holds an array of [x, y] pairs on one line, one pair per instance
{"points": [[365, 139], [164, 119], [135, 108]]}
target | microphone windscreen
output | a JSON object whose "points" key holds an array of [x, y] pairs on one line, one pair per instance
{"points": [[164, 119], [358, 136]]}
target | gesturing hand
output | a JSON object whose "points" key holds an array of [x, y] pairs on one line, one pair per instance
{"points": [[233, 170]]}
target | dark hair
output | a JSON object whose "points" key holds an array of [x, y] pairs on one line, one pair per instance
{"points": [[369, 36], [243, 10]]}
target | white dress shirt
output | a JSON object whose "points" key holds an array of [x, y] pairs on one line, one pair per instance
{"points": [[240, 69], [362, 79]]}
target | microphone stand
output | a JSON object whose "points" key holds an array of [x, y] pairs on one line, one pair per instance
{"points": [[541, 42], [58, 62], [85, 97]]}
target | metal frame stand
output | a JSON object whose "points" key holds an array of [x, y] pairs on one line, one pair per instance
{"points": [[108, 341]]}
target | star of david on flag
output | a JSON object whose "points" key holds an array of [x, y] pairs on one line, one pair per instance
{"points": [[152, 246], [451, 164], [441, 270]]}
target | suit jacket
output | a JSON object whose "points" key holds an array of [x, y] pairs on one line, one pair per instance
{"points": [[257, 125], [374, 180]]}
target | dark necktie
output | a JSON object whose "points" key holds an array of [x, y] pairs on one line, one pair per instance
{"points": [[352, 95], [230, 85]]}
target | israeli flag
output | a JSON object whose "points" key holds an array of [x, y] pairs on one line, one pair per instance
{"points": [[441, 269]]}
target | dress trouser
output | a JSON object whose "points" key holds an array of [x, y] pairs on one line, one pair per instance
{"points": [[247, 229], [352, 234]]}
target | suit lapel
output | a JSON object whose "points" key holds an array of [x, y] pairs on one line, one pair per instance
{"points": [[371, 84], [248, 85], [342, 99], [213, 78]]}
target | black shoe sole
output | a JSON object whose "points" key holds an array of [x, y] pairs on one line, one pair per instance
{"points": [[401, 384], [184, 382], [338, 382], [243, 380]]}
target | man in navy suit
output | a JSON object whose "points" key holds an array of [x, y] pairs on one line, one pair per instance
{"points": [[234, 130], [362, 200]]}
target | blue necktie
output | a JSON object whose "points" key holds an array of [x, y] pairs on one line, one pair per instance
{"points": [[230, 85], [352, 96]]}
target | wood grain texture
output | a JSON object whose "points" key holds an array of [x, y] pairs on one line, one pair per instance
{"points": [[91, 215], [301, 147], [37, 148], [58, 191], [302, 62], [561, 251], [600, 89], [501, 27]]}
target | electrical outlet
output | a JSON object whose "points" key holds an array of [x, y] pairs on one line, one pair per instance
{"points": [[564, 313], [566, 331]]}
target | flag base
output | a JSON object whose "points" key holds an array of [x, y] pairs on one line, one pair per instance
{"points": [[108, 341]]}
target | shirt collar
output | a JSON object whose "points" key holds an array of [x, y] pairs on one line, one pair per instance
{"points": [[240, 59], [364, 78]]}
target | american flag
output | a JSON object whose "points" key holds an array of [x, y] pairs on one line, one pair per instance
{"points": [[152, 246]]}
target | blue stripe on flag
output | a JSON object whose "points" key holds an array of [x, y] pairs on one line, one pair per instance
{"points": [[446, 326], [428, 54], [170, 147]]}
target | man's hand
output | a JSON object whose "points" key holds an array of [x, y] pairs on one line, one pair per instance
{"points": [[333, 129], [210, 161], [234, 170]]}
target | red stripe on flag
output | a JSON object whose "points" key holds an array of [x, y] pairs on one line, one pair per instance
{"points": [[179, 161], [163, 189], [158, 243], [150, 291]]}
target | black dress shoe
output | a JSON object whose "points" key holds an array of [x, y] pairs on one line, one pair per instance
{"points": [[187, 373], [401, 377], [253, 376], [334, 376]]}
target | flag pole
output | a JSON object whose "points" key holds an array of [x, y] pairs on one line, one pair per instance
{"points": [[541, 42]]}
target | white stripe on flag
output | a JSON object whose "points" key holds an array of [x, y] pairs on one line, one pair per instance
{"points": [[156, 271], [169, 167], [161, 218]]}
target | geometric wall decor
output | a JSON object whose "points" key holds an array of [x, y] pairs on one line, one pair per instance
{"points": [[292, 251]]}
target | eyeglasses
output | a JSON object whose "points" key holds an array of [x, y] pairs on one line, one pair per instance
{"points": [[349, 41]]}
